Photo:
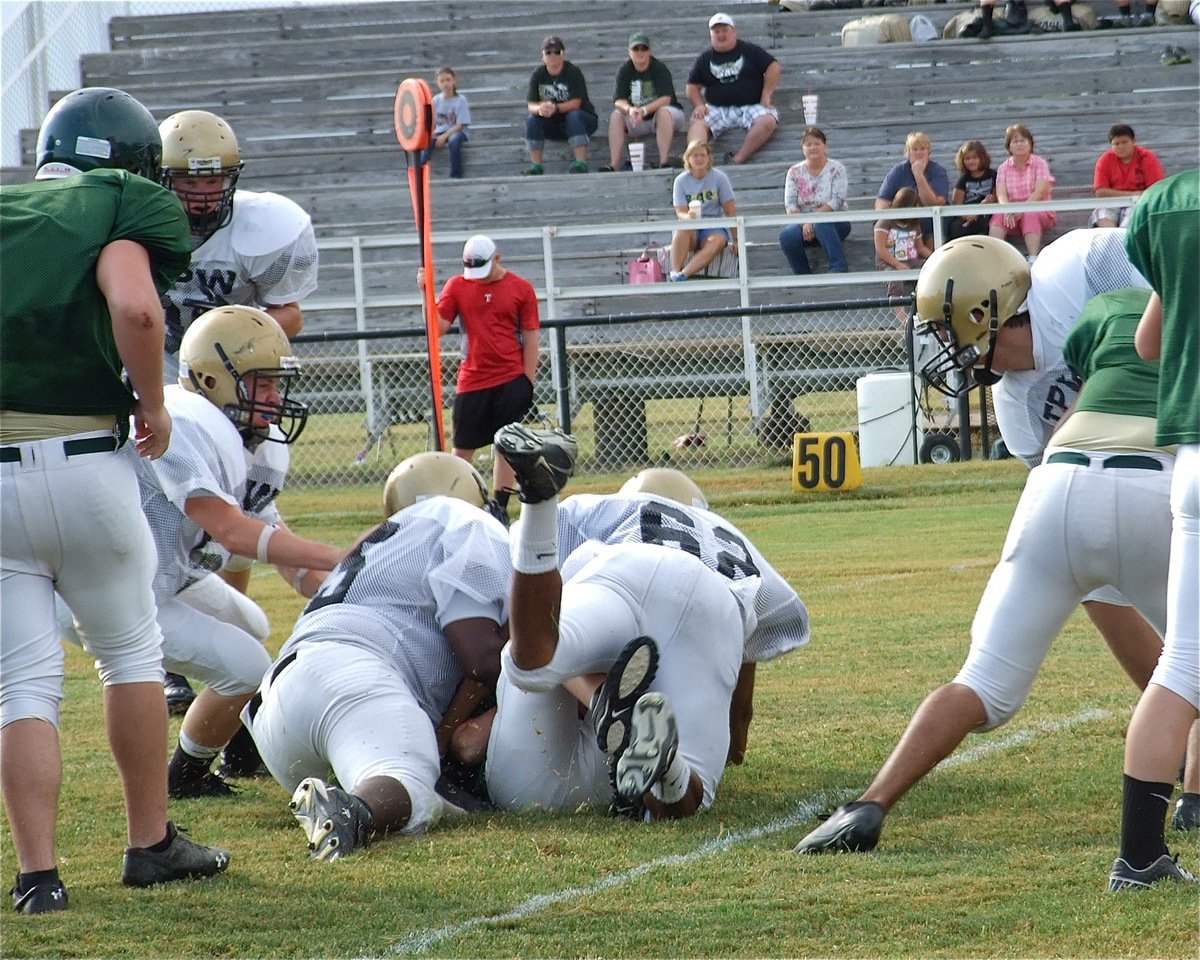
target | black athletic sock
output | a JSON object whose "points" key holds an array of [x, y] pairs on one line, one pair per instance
{"points": [[1143, 821], [27, 881], [165, 842], [184, 766]]}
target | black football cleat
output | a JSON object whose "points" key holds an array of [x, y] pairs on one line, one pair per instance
{"points": [[543, 460], [179, 694], [1166, 867], [851, 828], [612, 704]]}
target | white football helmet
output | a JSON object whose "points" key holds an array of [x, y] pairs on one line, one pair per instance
{"points": [[224, 354], [669, 483], [199, 144], [966, 291], [433, 474]]}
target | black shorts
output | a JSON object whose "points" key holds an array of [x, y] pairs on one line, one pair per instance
{"points": [[478, 414]]}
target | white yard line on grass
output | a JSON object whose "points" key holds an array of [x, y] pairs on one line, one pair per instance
{"points": [[422, 940]]}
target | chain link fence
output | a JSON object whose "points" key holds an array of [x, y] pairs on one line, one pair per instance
{"points": [[725, 388]]}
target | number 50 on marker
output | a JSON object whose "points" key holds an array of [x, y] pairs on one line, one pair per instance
{"points": [[822, 462]]}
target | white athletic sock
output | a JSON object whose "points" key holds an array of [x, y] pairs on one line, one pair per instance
{"points": [[535, 544], [674, 784], [193, 749]]}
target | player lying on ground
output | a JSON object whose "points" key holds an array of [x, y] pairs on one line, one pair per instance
{"points": [[644, 631], [396, 648]]}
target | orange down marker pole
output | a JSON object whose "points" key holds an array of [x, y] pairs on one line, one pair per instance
{"points": [[413, 115]]}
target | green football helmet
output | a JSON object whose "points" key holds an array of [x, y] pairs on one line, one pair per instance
{"points": [[98, 128]]}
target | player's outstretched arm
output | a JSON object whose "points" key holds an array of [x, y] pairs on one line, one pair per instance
{"points": [[249, 537]]}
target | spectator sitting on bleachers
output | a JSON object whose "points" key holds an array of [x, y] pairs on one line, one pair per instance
{"points": [[920, 172], [451, 118], [814, 185], [559, 108], [1023, 176], [900, 245], [700, 191], [976, 184], [1125, 168], [732, 84], [644, 103]]}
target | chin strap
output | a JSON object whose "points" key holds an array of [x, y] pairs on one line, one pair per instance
{"points": [[985, 375]]}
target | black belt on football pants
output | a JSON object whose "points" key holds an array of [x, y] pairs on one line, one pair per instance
{"points": [[71, 448], [256, 700], [1129, 461]]}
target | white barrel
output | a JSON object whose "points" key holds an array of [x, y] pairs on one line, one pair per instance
{"points": [[885, 408]]}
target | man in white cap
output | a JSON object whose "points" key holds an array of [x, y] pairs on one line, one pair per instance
{"points": [[732, 84], [499, 320]]}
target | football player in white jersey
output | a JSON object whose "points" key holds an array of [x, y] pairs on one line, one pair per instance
{"points": [[669, 600], [223, 594], [1072, 537], [395, 649], [254, 249], [234, 379], [248, 248]]}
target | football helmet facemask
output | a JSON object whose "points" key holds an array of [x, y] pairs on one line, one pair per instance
{"points": [[966, 291], [98, 128], [198, 144], [433, 474], [226, 354], [668, 483]]}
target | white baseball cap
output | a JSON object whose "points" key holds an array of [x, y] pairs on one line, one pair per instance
{"points": [[478, 254], [718, 19]]}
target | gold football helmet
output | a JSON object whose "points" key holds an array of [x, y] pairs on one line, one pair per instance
{"points": [[966, 291], [224, 355], [668, 483], [433, 474], [200, 145]]}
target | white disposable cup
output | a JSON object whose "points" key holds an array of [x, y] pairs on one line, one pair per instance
{"points": [[637, 156], [809, 102], [694, 209]]}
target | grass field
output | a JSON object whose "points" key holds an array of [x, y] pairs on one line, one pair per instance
{"points": [[1003, 853]]}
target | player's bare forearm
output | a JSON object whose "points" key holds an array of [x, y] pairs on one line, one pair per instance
{"points": [[246, 537], [289, 316], [467, 697], [741, 712], [123, 276], [1148, 338]]}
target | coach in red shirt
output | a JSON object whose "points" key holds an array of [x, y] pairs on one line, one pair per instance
{"points": [[1126, 168], [500, 323]]}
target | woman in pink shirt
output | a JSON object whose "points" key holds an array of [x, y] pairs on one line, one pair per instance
{"points": [[1023, 176]]}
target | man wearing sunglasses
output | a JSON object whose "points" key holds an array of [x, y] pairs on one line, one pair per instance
{"points": [[559, 108], [644, 103], [499, 320]]}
